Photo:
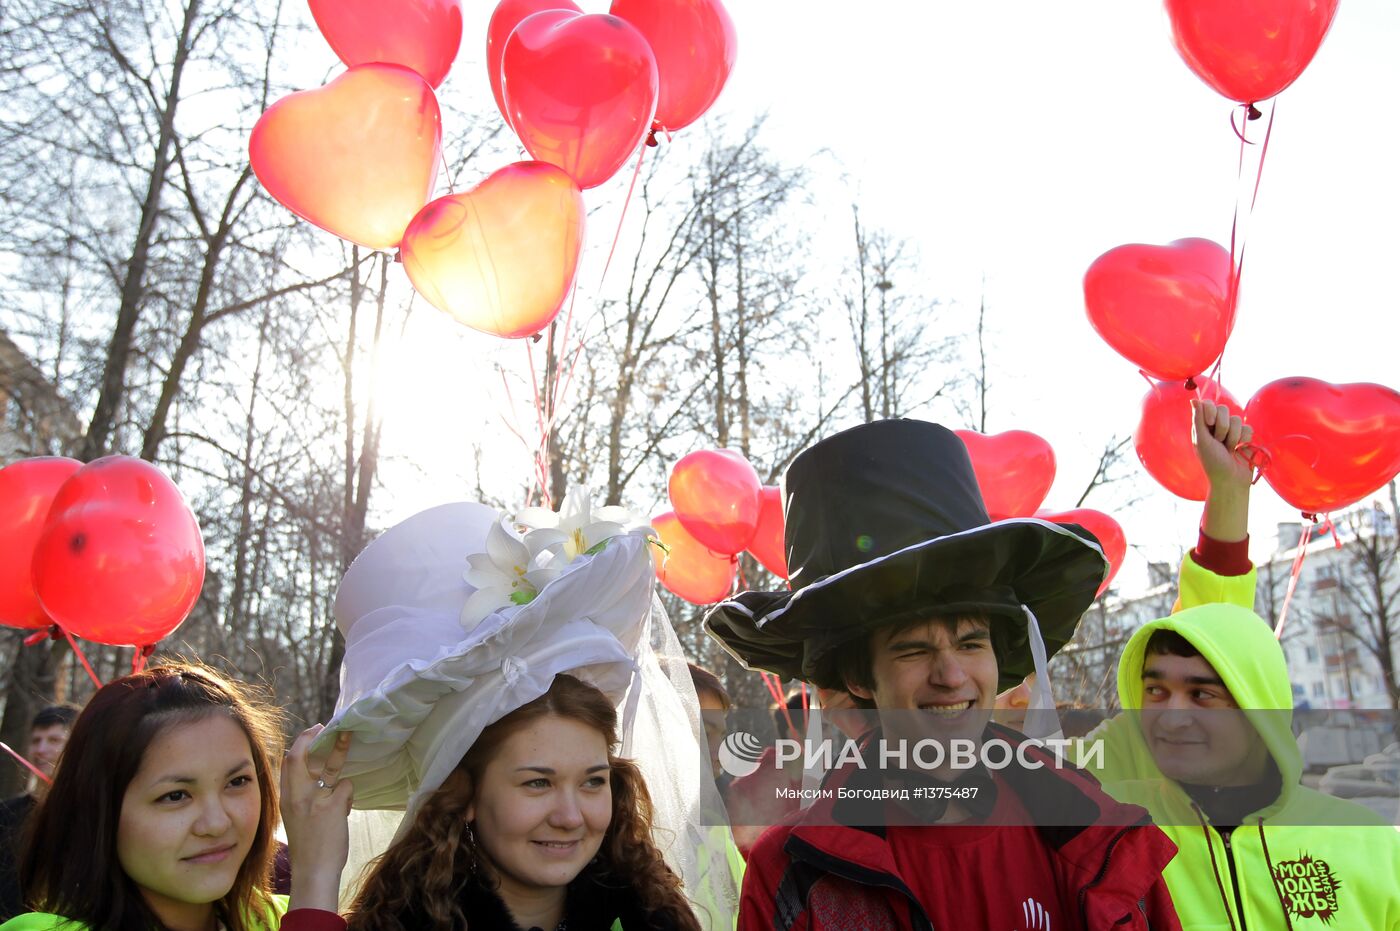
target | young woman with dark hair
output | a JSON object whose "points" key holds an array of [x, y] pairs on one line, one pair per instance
{"points": [[161, 813], [540, 825]]}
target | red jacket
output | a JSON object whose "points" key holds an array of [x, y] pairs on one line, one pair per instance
{"points": [[824, 873]]}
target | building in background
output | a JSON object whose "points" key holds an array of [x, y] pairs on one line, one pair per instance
{"points": [[35, 420]]}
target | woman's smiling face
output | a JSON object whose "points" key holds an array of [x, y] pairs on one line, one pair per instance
{"points": [[189, 817], [543, 805]]}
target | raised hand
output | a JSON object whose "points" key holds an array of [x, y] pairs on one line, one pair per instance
{"points": [[316, 813], [1222, 447]]}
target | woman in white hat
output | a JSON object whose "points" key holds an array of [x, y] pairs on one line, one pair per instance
{"points": [[483, 677]]}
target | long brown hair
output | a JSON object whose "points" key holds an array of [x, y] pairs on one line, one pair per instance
{"points": [[70, 865], [419, 879]]}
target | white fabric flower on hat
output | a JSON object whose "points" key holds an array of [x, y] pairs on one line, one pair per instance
{"points": [[502, 576], [576, 530]]}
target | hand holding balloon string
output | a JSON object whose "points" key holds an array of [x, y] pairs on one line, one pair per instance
{"points": [[1222, 442]]}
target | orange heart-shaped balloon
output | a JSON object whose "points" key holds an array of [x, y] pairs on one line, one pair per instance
{"points": [[357, 157], [501, 257]]}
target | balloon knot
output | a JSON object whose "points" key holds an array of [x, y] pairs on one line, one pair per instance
{"points": [[1310, 517], [537, 337], [52, 632], [398, 256], [1252, 113], [651, 139], [1190, 384]]}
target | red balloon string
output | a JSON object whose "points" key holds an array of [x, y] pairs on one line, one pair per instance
{"points": [[83, 659], [139, 659], [1293, 576], [52, 632], [25, 763], [641, 156], [1237, 240]]}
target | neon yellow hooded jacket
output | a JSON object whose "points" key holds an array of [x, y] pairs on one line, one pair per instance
{"points": [[1289, 872], [43, 921]]}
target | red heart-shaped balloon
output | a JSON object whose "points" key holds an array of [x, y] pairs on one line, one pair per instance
{"points": [[695, 48], [120, 560], [1107, 530], [1014, 470], [1166, 309], [508, 14], [1249, 50], [1326, 446], [500, 258], [357, 157], [716, 495], [580, 91], [421, 35], [767, 545], [27, 489], [687, 568], [1163, 437]]}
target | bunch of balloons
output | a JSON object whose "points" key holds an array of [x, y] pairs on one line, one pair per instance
{"points": [[1170, 309], [359, 157], [719, 509], [107, 551]]}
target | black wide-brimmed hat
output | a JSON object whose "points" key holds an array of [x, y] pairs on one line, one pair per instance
{"points": [[884, 524]]}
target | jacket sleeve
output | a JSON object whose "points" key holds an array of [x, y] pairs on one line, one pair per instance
{"points": [[312, 919], [1201, 586]]}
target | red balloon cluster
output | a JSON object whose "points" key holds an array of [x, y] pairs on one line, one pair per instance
{"points": [[1249, 51], [719, 510], [1014, 470], [1163, 438], [583, 90], [1325, 446], [108, 551]]}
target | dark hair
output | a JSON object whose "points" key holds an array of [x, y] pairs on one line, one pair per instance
{"points": [[417, 882], [855, 659], [64, 714], [1165, 642], [70, 864], [706, 681]]}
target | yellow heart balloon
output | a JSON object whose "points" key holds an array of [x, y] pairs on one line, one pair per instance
{"points": [[500, 258]]}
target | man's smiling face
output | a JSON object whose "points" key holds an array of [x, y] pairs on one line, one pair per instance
{"points": [[1193, 726], [945, 668]]}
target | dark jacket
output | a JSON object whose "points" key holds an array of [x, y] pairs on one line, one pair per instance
{"points": [[1108, 873]]}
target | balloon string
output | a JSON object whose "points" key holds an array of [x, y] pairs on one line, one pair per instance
{"points": [[541, 451], [25, 763], [641, 156], [1293, 579], [1238, 238], [511, 426], [83, 659], [142, 655]]}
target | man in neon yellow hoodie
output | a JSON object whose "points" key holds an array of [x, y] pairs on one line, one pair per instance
{"points": [[1207, 747]]}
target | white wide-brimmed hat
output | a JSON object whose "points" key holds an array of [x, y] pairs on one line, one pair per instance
{"points": [[431, 659]]}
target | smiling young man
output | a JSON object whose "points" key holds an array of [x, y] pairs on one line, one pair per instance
{"points": [[907, 596], [1207, 747]]}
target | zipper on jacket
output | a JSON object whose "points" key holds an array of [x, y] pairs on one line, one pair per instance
{"points": [[1234, 877]]}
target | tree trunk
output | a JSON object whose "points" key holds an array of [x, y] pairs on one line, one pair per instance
{"points": [[133, 286]]}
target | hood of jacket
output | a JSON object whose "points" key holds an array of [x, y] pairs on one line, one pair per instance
{"points": [[1241, 648]]}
